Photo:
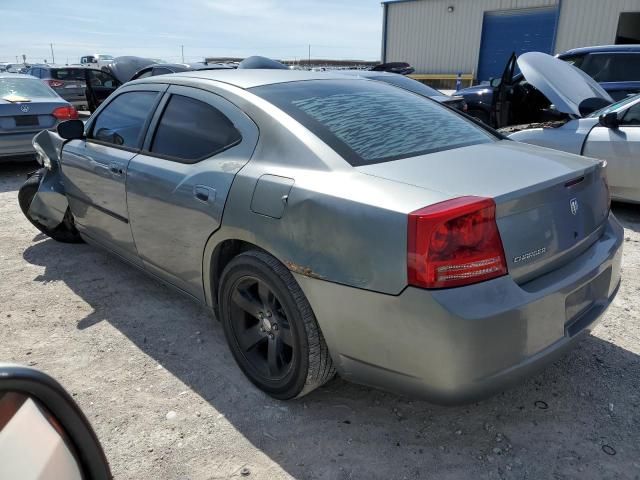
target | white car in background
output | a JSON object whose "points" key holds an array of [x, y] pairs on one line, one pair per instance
{"points": [[611, 133]]}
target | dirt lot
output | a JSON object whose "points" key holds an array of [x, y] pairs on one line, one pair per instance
{"points": [[153, 373]]}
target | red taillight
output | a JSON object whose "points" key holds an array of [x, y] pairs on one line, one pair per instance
{"points": [[54, 83], [65, 113], [454, 243]]}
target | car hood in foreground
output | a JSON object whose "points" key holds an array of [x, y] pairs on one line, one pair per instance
{"points": [[564, 85]]}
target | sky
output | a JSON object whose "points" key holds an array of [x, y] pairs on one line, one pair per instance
{"points": [[281, 29]]}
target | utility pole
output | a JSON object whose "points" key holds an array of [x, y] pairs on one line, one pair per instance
{"points": [[309, 64], [16, 58], [53, 57], [182, 50]]}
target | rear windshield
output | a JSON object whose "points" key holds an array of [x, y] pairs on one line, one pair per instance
{"points": [[408, 84], [370, 122], [25, 87], [68, 74]]}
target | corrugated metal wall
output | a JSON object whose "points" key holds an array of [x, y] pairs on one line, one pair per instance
{"points": [[591, 22], [433, 40], [425, 34]]}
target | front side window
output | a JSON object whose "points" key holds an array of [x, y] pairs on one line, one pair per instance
{"points": [[191, 130], [98, 78], [632, 117], [369, 122], [121, 122]]}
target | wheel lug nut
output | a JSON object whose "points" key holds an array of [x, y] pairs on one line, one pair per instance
{"points": [[274, 326]]}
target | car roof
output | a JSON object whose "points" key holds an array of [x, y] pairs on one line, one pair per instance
{"points": [[366, 73], [248, 78], [16, 75], [602, 49]]}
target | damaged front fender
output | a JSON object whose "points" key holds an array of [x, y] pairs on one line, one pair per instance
{"points": [[49, 204]]}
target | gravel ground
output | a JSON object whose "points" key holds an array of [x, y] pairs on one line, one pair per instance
{"points": [[154, 375]]}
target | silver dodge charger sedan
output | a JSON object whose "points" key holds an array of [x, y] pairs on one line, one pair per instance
{"points": [[340, 224]]}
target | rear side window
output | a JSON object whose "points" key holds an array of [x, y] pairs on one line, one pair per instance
{"points": [[369, 122], [191, 130], [121, 122], [68, 74], [612, 67]]}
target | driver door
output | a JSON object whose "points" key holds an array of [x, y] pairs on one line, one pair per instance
{"points": [[620, 147], [94, 169], [100, 85], [501, 108]]}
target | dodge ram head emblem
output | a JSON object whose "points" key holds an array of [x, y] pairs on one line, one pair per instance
{"points": [[24, 108], [574, 206]]}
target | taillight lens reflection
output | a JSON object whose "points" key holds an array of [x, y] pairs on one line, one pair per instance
{"points": [[65, 113], [454, 243]]}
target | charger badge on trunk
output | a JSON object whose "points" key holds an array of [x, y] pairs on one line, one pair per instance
{"points": [[574, 206]]}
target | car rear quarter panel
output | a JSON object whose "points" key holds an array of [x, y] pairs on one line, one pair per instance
{"points": [[338, 224]]}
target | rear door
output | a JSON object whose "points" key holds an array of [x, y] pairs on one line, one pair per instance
{"points": [[95, 169], [621, 149], [178, 185]]}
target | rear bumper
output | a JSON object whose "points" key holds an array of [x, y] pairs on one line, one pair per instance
{"points": [[16, 144], [458, 345]]}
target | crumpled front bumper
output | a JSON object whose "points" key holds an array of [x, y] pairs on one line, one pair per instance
{"points": [[458, 345]]}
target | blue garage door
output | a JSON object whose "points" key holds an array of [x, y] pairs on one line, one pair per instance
{"points": [[520, 31]]}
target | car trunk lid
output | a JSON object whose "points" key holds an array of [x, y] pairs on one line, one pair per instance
{"points": [[550, 206], [32, 115]]}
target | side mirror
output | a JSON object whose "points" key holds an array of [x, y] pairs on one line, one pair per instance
{"points": [[610, 120], [71, 129], [43, 433]]}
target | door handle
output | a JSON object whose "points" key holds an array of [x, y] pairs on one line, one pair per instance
{"points": [[203, 193], [116, 169]]}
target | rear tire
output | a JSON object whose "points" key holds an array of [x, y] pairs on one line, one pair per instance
{"points": [[266, 317], [65, 232]]}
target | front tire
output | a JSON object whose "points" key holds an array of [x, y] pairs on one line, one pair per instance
{"points": [[65, 232], [270, 327]]}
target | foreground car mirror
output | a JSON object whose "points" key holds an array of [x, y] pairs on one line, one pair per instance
{"points": [[43, 433], [71, 130], [610, 120]]}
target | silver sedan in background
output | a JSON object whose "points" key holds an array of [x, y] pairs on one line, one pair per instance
{"points": [[27, 106], [611, 134], [339, 224]]}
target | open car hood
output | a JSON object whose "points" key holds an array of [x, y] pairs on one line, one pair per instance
{"points": [[564, 85], [123, 68]]}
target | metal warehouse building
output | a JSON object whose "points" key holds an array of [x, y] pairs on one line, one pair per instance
{"points": [[477, 36]]}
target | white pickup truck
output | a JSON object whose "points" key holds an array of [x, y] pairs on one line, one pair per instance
{"points": [[98, 60]]}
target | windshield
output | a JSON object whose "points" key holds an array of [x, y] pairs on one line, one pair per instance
{"points": [[25, 87], [370, 122], [614, 106], [105, 57], [409, 84]]}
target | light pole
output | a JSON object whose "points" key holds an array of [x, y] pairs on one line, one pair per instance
{"points": [[53, 57], [182, 50]]}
